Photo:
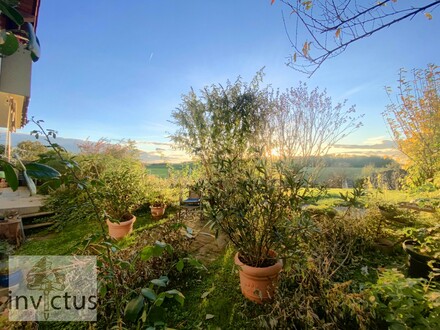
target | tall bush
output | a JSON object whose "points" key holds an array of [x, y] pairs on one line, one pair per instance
{"points": [[117, 184], [414, 120]]}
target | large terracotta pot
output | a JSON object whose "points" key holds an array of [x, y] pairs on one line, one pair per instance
{"points": [[121, 229], [258, 284], [157, 211]]}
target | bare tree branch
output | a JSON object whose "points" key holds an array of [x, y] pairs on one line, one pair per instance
{"points": [[325, 28]]}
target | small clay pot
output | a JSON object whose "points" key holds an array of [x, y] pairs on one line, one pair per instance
{"points": [[157, 212], [121, 229]]}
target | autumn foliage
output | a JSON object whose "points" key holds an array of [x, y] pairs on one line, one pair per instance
{"points": [[414, 120]]}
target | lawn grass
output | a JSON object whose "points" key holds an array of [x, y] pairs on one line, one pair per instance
{"points": [[159, 170], [67, 239], [213, 299]]}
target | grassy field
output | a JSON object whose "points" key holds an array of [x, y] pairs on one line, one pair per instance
{"points": [[161, 170], [351, 173]]}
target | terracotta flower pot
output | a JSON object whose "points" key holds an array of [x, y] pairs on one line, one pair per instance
{"points": [[121, 229], [258, 284], [157, 211]]}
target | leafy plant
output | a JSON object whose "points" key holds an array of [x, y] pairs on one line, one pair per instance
{"points": [[414, 121], [160, 192], [352, 199], [256, 204], [117, 185], [73, 178], [121, 189], [405, 303], [147, 306], [34, 170], [427, 239]]}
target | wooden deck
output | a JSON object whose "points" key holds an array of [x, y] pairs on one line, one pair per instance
{"points": [[20, 201]]}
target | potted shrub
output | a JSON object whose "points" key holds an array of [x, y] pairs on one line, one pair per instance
{"points": [[122, 190], [159, 195], [423, 251], [255, 204], [157, 205]]}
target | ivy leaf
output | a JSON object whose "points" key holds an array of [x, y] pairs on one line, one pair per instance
{"points": [[149, 293], [159, 282], [177, 295], [180, 264], [133, 308], [151, 251]]}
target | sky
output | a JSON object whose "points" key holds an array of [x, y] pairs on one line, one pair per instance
{"points": [[117, 69]]}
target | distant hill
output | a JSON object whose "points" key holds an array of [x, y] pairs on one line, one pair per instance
{"points": [[153, 158], [71, 145]]}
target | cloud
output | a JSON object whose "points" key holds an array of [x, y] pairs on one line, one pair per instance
{"points": [[152, 157], [354, 90], [384, 144], [374, 146], [155, 143]]}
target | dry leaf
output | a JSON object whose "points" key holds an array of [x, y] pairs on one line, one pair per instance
{"points": [[305, 49]]}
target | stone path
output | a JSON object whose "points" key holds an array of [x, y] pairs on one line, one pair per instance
{"points": [[204, 246]]}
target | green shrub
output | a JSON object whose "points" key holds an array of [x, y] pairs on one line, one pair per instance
{"points": [[122, 187], [160, 191], [118, 186], [405, 303]]}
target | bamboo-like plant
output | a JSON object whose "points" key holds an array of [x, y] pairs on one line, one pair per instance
{"points": [[256, 204]]}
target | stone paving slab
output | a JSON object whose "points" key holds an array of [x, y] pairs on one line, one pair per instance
{"points": [[204, 246], [20, 201]]}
